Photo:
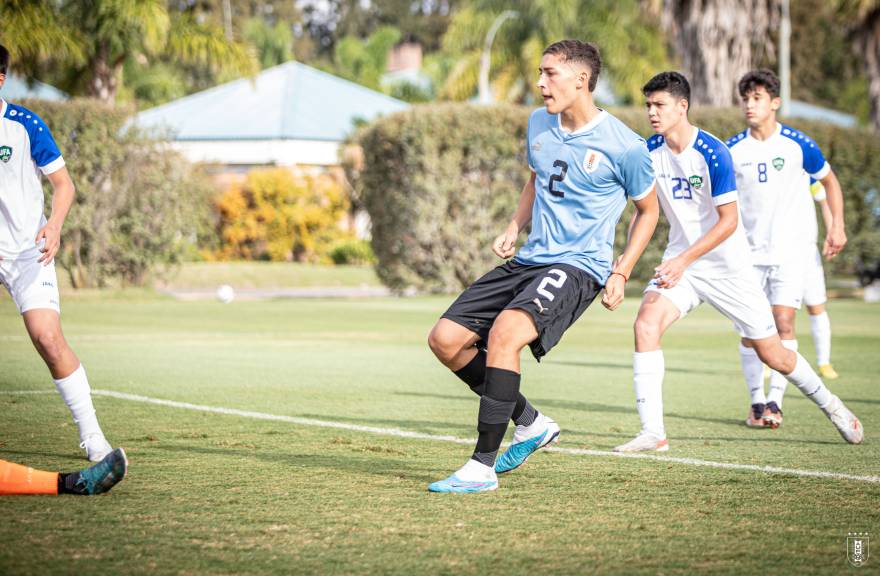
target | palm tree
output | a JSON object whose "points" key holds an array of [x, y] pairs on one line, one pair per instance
{"points": [[865, 33], [632, 48], [109, 32], [716, 41]]}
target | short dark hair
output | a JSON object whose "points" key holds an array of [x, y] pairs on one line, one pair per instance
{"points": [[754, 79], [585, 53], [4, 59], [673, 82]]}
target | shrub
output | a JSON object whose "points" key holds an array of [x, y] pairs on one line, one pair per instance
{"points": [[139, 206], [352, 251], [280, 215]]}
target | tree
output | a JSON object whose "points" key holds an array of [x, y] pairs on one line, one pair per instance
{"points": [[864, 16], [631, 46], [95, 39], [717, 41]]}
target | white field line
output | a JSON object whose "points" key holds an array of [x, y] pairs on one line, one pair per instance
{"points": [[440, 438]]}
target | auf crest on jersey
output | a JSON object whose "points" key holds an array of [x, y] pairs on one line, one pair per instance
{"points": [[5, 153], [592, 159]]}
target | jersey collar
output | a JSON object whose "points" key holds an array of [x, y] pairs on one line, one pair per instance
{"points": [[776, 133], [688, 146], [583, 129]]}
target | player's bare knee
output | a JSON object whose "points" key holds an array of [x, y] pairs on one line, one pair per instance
{"points": [[51, 345], [647, 332], [442, 345]]}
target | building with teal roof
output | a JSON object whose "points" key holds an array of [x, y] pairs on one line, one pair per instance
{"points": [[290, 114]]}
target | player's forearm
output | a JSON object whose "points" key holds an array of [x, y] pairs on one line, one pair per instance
{"points": [[523, 214], [728, 218], [63, 193], [826, 214], [834, 196], [641, 230]]}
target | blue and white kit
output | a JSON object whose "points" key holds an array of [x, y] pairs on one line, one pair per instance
{"points": [[27, 151], [690, 186]]}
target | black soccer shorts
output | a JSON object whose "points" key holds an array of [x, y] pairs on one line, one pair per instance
{"points": [[555, 295]]}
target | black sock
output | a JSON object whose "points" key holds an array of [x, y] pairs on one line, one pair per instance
{"points": [[496, 408], [524, 413], [67, 483], [474, 375]]}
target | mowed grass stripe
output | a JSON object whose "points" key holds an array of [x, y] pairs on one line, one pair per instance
{"points": [[452, 439]]}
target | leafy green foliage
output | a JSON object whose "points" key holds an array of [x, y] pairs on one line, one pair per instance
{"points": [[440, 182], [139, 205]]}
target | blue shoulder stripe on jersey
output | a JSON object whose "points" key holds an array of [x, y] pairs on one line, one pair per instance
{"points": [[719, 161], [44, 151], [814, 160], [736, 138], [655, 142]]}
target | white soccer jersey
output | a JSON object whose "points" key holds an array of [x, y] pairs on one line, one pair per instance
{"points": [[26, 149], [773, 177], [690, 185]]}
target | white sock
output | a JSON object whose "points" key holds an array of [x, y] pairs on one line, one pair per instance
{"points": [[778, 382], [753, 371], [809, 383], [648, 369], [77, 394], [474, 471], [820, 326]]}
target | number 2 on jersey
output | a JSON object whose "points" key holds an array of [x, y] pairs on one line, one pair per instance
{"points": [[558, 178]]}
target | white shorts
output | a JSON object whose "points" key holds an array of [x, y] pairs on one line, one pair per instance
{"points": [[31, 284], [814, 280], [784, 284], [739, 298]]}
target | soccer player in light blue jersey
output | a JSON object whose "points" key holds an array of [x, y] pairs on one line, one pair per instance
{"points": [[585, 165], [707, 260]]}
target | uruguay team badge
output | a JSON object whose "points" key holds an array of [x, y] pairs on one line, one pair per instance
{"points": [[592, 159], [5, 153], [778, 163], [857, 549]]}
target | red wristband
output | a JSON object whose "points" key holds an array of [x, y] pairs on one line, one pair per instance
{"points": [[625, 279]]}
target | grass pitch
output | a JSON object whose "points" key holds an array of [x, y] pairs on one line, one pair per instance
{"points": [[214, 493]]}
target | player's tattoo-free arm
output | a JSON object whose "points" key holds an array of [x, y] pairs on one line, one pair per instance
{"points": [[504, 245], [669, 272], [641, 229], [63, 192], [835, 239]]}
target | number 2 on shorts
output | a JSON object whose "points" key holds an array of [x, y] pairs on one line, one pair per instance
{"points": [[557, 282]]}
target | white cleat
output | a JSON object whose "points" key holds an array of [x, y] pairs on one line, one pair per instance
{"points": [[645, 442], [845, 421], [96, 447]]}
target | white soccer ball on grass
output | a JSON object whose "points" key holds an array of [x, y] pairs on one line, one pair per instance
{"points": [[225, 293]]}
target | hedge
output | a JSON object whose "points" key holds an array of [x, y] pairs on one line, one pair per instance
{"points": [[441, 181]]}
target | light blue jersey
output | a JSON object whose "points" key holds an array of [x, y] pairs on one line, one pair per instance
{"points": [[583, 179]]}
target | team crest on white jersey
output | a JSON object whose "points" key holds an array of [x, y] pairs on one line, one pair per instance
{"points": [[5, 153], [778, 162], [696, 181], [592, 159]]}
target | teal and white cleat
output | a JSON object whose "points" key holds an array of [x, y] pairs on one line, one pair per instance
{"points": [[526, 439], [104, 475], [472, 477]]}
